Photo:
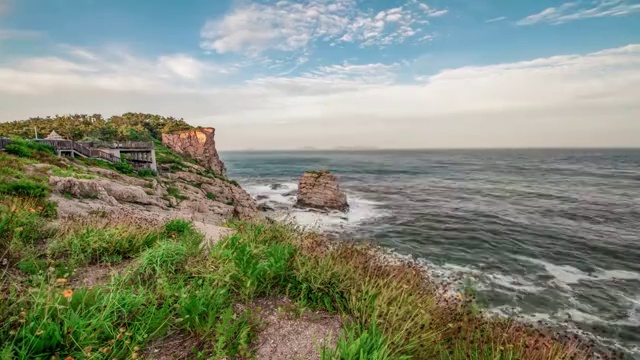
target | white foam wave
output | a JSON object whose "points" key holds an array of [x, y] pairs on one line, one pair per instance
{"points": [[568, 274], [283, 199]]}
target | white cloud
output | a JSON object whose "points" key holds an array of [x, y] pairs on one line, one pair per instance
{"points": [[568, 100], [253, 28], [114, 70], [571, 11], [496, 19]]}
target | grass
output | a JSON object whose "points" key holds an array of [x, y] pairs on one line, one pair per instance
{"points": [[175, 192], [390, 311]]}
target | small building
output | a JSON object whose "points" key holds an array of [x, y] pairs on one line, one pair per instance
{"points": [[54, 136]]}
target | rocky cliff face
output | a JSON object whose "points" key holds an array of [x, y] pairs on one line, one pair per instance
{"points": [[199, 145], [320, 190]]}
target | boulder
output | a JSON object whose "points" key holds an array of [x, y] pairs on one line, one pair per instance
{"points": [[320, 190], [198, 144]]}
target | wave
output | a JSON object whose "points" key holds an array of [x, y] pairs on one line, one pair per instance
{"points": [[568, 274], [281, 197]]}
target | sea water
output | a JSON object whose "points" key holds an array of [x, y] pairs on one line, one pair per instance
{"points": [[551, 235]]}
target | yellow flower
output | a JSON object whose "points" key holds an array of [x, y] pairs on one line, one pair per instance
{"points": [[67, 293], [460, 296], [134, 355]]}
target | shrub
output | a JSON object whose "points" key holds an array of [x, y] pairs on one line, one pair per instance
{"points": [[25, 148], [211, 196], [123, 167], [18, 150], [147, 173], [24, 188]]}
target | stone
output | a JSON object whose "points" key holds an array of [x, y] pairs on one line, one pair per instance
{"points": [[198, 144], [265, 207], [320, 190], [277, 186], [290, 193]]}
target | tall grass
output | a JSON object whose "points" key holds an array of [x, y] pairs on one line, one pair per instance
{"points": [[391, 311]]}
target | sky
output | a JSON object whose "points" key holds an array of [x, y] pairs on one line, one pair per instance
{"points": [[288, 74]]}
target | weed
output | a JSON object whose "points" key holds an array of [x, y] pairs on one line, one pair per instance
{"points": [[173, 191], [178, 226], [24, 188], [211, 196], [147, 173], [93, 245]]}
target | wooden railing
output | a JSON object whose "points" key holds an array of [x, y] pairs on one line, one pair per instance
{"points": [[146, 145], [68, 145]]}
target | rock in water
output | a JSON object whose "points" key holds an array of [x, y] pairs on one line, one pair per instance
{"points": [[198, 144], [320, 190]]}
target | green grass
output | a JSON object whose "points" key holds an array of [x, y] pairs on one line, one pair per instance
{"points": [[175, 192], [24, 188], [170, 286]]}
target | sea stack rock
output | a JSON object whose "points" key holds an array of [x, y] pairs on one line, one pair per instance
{"points": [[198, 144], [320, 190]]}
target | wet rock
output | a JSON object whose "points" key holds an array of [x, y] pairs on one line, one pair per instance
{"points": [[320, 190], [265, 207], [277, 186], [290, 193], [262, 197]]}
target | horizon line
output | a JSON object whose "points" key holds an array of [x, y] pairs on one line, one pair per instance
{"points": [[365, 149]]}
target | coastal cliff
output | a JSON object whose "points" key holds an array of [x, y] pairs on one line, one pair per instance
{"points": [[137, 264], [198, 144]]}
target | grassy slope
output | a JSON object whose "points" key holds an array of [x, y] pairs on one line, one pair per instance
{"points": [[169, 286]]}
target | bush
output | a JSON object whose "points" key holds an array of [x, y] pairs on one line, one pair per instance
{"points": [[123, 167], [24, 188], [211, 196], [25, 148], [147, 173], [18, 150]]}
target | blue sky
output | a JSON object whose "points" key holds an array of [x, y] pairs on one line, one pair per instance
{"points": [[300, 66]]}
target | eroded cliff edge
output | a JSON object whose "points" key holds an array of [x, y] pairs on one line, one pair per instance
{"points": [[198, 144]]}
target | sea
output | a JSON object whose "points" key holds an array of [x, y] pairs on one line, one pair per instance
{"points": [[548, 236]]}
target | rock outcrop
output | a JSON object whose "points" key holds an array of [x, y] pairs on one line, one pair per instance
{"points": [[198, 144], [320, 190], [185, 195]]}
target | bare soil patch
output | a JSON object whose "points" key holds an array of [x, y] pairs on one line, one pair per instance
{"points": [[175, 346], [95, 275], [289, 333]]}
